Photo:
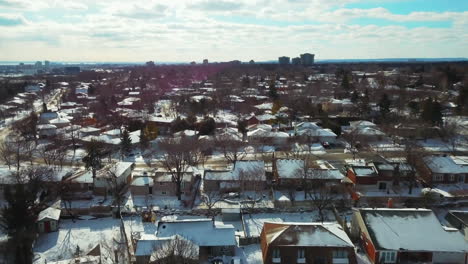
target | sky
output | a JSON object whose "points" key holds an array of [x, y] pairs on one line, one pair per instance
{"points": [[222, 30]]}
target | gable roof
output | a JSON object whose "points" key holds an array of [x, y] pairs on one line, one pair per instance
{"points": [[445, 164], [202, 232], [410, 230], [306, 235], [49, 213]]}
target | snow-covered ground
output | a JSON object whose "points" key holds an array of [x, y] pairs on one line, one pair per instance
{"points": [[81, 234]]}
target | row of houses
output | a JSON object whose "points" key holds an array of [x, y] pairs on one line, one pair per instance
{"points": [[386, 235]]}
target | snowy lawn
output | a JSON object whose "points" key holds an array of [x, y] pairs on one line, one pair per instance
{"points": [[85, 234]]}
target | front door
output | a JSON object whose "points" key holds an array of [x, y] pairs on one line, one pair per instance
{"points": [[319, 260], [47, 226]]}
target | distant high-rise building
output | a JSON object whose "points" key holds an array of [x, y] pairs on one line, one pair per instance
{"points": [[296, 61], [284, 60], [47, 64], [71, 70], [38, 64], [193, 63], [150, 63], [307, 59], [205, 61], [251, 62]]}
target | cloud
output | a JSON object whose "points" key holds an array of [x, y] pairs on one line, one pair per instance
{"points": [[217, 5], [9, 20]]}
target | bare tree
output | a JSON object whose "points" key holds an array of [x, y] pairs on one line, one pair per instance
{"points": [[414, 157], [16, 150], [179, 155], [210, 199], [449, 132], [117, 187], [252, 180], [115, 250], [6, 154], [233, 150], [175, 250], [352, 137], [321, 195]]}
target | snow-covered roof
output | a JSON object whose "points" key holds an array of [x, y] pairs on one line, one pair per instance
{"points": [[362, 123], [363, 171], [325, 174], [49, 213], [306, 235], [142, 181], [411, 230], [444, 164], [256, 166], [202, 232], [290, 168]]}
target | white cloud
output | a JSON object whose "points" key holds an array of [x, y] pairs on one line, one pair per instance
{"points": [[177, 30]]}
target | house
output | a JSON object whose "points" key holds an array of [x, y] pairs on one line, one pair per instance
{"points": [[286, 243], [363, 131], [158, 250], [219, 239], [314, 133], [80, 182], [459, 220], [288, 172], [367, 176], [165, 186], [112, 176], [46, 130], [446, 169], [48, 220], [45, 117], [142, 186], [246, 175], [407, 236]]}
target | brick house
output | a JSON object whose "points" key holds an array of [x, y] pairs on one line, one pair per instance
{"points": [[249, 173], [446, 169], [287, 172], [407, 236], [165, 186], [316, 243], [111, 175], [142, 186]]}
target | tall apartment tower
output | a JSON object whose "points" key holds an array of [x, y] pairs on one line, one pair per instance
{"points": [[283, 60], [307, 59]]}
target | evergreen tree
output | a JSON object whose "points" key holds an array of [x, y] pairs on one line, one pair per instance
{"points": [[384, 105], [18, 220], [125, 142], [432, 112], [437, 113], [272, 92], [364, 107], [144, 140], [345, 83], [426, 114], [354, 97], [94, 154], [462, 99]]}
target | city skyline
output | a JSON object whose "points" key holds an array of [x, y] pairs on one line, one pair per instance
{"points": [[226, 30]]}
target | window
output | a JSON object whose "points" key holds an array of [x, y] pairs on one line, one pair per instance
{"points": [[438, 177], [452, 177], [340, 253], [300, 253], [161, 183], [276, 253], [163, 193], [388, 256]]}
